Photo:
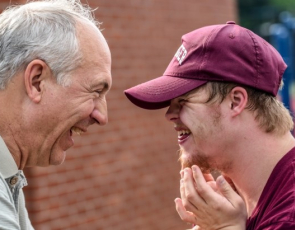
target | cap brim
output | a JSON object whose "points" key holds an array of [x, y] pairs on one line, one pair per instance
{"points": [[157, 93]]}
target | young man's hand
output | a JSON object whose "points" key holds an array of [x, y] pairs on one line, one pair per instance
{"points": [[209, 204]]}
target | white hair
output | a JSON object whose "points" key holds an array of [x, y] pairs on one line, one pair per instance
{"points": [[44, 30]]}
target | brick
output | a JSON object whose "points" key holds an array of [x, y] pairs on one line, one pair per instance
{"points": [[124, 175]]}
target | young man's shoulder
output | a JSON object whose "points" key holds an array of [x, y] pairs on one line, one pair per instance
{"points": [[276, 206]]}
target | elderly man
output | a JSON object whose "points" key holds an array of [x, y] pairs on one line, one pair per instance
{"points": [[55, 71], [221, 89]]}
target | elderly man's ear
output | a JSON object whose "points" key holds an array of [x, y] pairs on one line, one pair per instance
{"points": [[238, 98], [35, 74]]}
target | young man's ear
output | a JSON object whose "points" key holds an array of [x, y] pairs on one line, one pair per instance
{"points": [[238, 98], [35, 73]]}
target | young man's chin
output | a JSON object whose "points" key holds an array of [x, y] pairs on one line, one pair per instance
{"points": [[187, 160]]}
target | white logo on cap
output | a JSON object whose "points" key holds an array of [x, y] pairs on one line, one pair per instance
{"points": [[180, 54]]}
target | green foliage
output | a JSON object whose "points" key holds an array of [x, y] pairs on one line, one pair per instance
{"points": [[283, 5], [253, 13]]}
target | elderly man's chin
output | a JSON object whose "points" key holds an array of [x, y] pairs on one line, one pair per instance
{"points": [[187, 160], [57, 158]]}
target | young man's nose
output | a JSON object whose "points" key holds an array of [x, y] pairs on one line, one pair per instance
{"points": [[172, 112]]}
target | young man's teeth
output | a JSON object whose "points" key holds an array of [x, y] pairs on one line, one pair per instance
{"points": [[183, 132], [76, 130]]}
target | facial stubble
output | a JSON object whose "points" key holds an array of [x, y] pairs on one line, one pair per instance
{"points": [[206, 164]]}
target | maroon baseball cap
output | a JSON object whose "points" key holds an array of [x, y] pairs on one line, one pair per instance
{"points": [[223, 53]]}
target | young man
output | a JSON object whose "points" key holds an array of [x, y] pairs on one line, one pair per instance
{"points": [[221, 89], [55, 70]]}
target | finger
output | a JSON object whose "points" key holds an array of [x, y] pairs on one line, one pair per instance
{"points": [[231, 183], [205, 191], [184, 215], [212, 184], [210, 181], [191, 197], [208, 177], [181, 173], [227, 191], [183, 194], [182, 189]]}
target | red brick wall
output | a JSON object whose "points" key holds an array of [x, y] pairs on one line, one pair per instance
{"points": [[125, 176]]}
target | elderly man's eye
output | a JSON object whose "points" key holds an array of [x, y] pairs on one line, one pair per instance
{"points": [[98, 92]]}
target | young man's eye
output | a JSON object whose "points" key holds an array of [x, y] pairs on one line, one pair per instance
{"points": [[181, 101]]}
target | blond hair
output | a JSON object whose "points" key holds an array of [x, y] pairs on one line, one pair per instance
{"points": [[271, 114]]}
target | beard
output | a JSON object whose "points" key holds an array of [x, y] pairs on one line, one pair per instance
{"points": [[199, 159], [205, 163]]}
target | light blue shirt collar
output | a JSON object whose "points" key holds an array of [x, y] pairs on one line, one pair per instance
{"points": [[8, 166]]}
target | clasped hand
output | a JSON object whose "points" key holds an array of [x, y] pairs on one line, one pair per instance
{"points": [[209, 204]]}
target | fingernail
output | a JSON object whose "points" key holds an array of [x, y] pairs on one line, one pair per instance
{"points": [[194, 168], [221, 180], [186, 170]]}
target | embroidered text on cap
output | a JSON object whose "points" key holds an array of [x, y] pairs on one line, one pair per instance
{"points": [[180, 54]]}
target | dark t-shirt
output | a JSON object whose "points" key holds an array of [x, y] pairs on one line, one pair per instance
{"points": [[276, 206]]}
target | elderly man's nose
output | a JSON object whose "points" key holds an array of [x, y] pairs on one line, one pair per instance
{"points": [[100, 113]]}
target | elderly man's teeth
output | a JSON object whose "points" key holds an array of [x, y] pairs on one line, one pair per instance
{"points": [[76, 130], [183, 132]]}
